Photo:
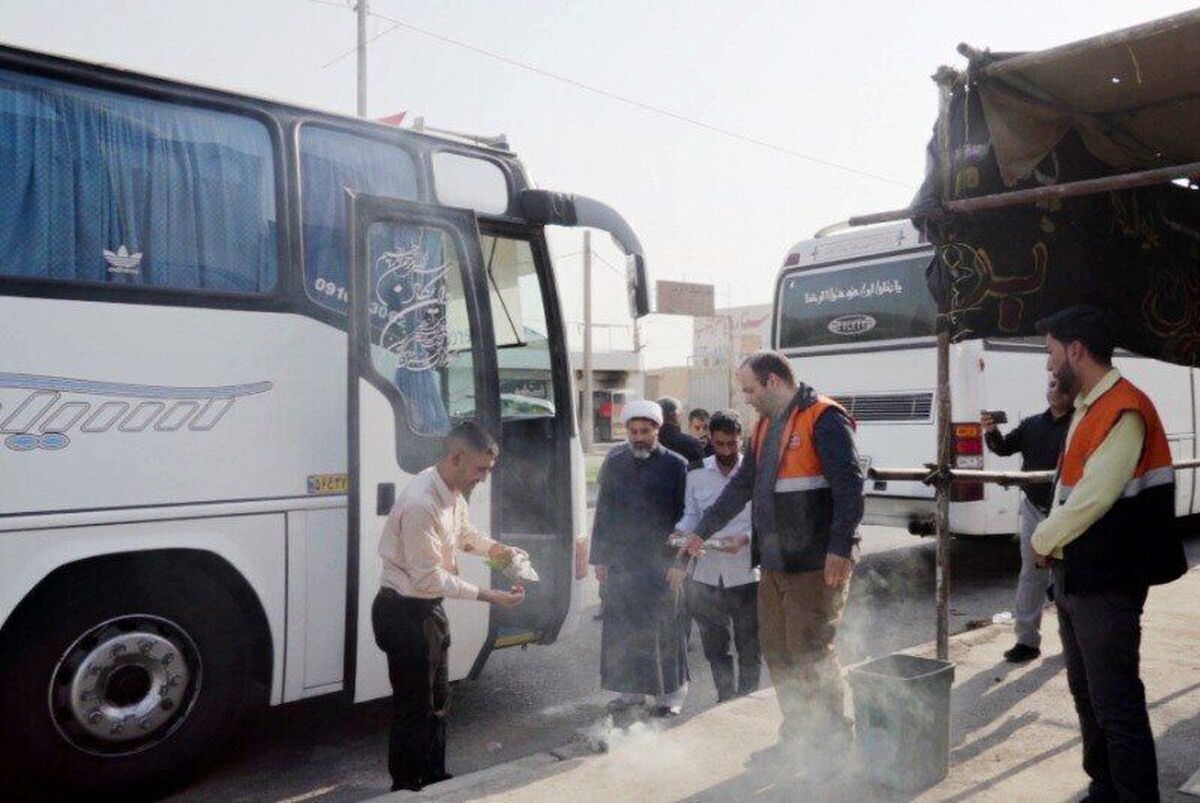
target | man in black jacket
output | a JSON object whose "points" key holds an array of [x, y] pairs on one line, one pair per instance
{"points": [[674, 438], [1039, 438], [801, 474], [698, 420]]}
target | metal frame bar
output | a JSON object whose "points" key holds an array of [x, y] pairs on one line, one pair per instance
{"points": [[929, 474], [1073, 189]]}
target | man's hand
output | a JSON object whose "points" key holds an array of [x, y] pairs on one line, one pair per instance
{"points": [[693, 547], [837, 570], [675, 577], [1041, 561], [503, 599], [735, 543], [601, 574], [985, 418]]}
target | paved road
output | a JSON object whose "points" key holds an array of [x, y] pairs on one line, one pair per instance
{"points": [[538, 699]]}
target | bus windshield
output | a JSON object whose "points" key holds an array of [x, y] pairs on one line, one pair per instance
{"points": [[879, 300]]}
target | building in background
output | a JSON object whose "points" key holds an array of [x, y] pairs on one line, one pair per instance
{"points": [[670, 380], [616, 377], [719, 344]]}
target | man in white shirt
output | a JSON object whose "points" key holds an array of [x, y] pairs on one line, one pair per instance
{"points": [[426, 525], [723, 588]]}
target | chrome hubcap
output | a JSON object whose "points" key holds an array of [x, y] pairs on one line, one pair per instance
{"points": [[125, 685]]}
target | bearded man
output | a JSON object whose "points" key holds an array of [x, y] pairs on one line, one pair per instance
{"points": [[1110, 535], [643, 643], [722, 591]]}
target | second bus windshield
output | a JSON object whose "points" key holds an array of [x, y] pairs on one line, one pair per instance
{"points": [[869, 302]]}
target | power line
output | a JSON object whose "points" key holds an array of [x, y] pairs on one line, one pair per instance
{"points": [[715, 129], [620, 273], [354, 49], [596, 256]]}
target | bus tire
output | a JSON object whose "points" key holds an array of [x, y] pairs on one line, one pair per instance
{"points": [[123, 677]]}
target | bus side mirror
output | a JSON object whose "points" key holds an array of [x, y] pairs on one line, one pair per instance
{"points": [[545, 208], [639, 291]]}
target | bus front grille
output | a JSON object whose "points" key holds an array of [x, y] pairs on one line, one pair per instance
{"points": [[889, 406]]}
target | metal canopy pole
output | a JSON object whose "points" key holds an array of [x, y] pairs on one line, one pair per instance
{"points": [[945, 80], [1072, 189]]}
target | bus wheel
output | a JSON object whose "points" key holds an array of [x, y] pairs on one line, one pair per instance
{"points": [[122, 687]]}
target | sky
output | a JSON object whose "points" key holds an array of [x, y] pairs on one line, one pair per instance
{"points": [[842, 82]]}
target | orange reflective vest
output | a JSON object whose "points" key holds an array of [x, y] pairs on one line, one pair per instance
{"points": [[1136, 542], [799, 463], [802, 502]]}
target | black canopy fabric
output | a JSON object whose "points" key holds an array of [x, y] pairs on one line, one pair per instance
{"points": [[1040, 119]]}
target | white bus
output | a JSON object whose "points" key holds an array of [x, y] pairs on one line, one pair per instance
{"points": [[853, 314], [230, 330]]}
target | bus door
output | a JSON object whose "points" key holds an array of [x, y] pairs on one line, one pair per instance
{"points": [[420, 359], [444, 327], [532, 481]]}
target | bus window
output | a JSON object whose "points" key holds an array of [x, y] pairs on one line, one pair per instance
{"points": [[519, 321], [107, 188], [330, 162], [867, 302], [421, 329], [470, 183]]}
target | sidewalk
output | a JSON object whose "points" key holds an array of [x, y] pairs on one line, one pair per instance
{"points": [[1014, 734]]}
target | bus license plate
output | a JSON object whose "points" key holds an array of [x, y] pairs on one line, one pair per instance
{"points": [[319, 484]]}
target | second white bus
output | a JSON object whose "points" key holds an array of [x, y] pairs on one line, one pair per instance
{"points": [[853, 314]]}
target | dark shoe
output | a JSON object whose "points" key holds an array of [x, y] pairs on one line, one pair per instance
{"points": [[622, 703], [443, 776], [409, 787], [664, 712], [1021, 653]]}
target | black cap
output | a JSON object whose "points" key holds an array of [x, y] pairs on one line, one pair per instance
{"points": [[1090, 325]]}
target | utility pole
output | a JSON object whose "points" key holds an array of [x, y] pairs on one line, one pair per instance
{"points": [[586, 414], [361, 8], [733, 361]]}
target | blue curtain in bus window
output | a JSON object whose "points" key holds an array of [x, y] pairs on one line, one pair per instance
{"points": [[408, 282], [330, 163], [102, 187]]}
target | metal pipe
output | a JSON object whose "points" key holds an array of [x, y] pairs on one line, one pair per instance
{"points": [[1072, 189], [928, 473], [945, 80], [880, 217]]}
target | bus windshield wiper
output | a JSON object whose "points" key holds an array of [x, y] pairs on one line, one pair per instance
{"points": [[503, 305]]}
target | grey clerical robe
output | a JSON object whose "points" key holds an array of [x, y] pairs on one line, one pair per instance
{"points": [[643, 648]]}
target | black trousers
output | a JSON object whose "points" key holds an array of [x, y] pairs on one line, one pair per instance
{"points": [[1101, 636], [415, 634], [715, 609]]}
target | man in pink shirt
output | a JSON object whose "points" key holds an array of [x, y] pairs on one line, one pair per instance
{"points": [[425, 527]]}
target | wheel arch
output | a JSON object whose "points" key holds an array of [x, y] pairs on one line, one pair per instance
{"points": [[183, 562]]}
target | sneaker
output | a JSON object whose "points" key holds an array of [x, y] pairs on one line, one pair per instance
{"points": [[1021, 653], [665, 711]]}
